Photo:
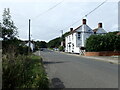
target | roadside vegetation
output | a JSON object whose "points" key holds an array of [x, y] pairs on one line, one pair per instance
{"points": [[24, 72], [56, 43], [107, 42], [20, 68]]}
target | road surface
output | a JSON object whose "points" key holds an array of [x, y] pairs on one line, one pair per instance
{"points": [[67, 71]]}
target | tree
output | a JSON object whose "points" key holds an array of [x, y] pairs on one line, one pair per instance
{"points": [[107, 42], [0, 30], [9, 30], [43, 44], [55, 43]]}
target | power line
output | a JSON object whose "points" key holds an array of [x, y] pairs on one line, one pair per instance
{"points": [[95, 8], [86, 14], [48, 9]]}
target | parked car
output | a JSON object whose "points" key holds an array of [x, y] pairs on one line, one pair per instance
{"points": [[41, 49]]}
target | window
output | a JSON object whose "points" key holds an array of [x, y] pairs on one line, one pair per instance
{"points": [[79, 35], [72, 36], [69, 38]]}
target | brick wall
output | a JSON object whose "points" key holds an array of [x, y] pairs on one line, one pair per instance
{"points": [[103, 53]]}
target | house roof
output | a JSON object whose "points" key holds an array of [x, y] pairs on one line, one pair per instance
{"points": [[71, 32], [75, 29], [99, 30], [80, 27]]}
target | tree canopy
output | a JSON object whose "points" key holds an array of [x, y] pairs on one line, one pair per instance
{"points": [[9, 30], [107, 42], [55, 43]]}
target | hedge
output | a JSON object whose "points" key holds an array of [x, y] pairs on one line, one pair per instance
{"points": [[107, 42]]}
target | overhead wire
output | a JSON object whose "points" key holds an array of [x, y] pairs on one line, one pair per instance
{"points": [[86, 14], [48, 10]]}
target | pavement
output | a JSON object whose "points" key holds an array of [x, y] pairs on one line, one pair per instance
{"points": [[110, 59], [73, 71]]}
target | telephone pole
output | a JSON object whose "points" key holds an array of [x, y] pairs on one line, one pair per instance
{"points": [[62, 38], [29, 38]]}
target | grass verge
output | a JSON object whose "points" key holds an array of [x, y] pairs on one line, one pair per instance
{"points": [[24, 72]]}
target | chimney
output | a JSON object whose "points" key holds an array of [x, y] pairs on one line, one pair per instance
{"points": [[71, 29], [84, 21], [99, 25]]}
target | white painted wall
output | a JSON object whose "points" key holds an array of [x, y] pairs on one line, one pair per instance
{"points": [[31, 46], [72, 39], [86, 32]]}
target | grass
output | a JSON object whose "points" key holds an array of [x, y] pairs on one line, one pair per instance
{"points": [[24, 72]]}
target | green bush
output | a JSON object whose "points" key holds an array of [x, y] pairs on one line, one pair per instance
{"points": [[107, 42], [24, 72], [23, 50], [61, 48]]}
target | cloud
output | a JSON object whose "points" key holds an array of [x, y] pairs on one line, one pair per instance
{"points": [[48, 25], [115, 27], [58, 0]]}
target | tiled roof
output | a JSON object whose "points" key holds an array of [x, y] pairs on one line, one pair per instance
{"points": [[71, 32], [99, 30], [75, 29], [95, 30]]}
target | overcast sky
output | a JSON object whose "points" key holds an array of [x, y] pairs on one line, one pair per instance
{"points": [[47, 24]]}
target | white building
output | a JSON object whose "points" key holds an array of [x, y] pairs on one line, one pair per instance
{"points": [[32, 46], [99, 30], [76, 40]]}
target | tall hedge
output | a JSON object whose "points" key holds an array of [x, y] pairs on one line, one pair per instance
{"points": [[107, 42]]}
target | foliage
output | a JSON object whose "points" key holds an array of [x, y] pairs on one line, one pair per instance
{"points": [[23, 50], [61, 48], [43, 44], [24, 72], [40, 44], [20, 70], [55, 43], [107, 42], [9, 30]]}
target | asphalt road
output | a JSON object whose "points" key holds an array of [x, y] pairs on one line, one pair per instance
{"points": [[67, 71]]}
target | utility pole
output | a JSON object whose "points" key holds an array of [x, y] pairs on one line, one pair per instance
{"points": [[62, 38], [29, 38]]}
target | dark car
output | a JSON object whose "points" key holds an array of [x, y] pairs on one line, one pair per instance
{"points": [[41, 49]]}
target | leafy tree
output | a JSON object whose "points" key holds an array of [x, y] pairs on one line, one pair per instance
{"points": [[61, 48], [107, 42], [55, 43], [43, 44], [9, 30]]}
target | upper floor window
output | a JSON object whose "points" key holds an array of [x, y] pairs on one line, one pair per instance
{"points": [[79, 35], [69, 38], [72, 37]]}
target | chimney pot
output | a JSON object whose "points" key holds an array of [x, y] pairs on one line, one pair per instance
{"points": [[71, 29], [99, 25], [84, 21]]}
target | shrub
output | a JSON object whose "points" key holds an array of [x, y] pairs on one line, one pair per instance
{"points": [[107, 42], [61, 48], [24, 72], [23, 50]]}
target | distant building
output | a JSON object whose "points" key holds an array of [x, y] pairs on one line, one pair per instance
{"points": [[75, 42], [99, 30], [32, 46]]}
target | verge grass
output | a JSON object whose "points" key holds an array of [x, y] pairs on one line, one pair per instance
{"points": [[24, 72]]}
